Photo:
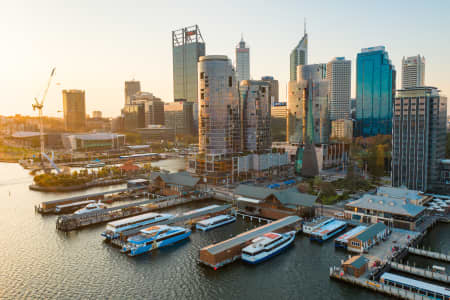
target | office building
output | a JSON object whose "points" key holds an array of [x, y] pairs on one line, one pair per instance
{"points": [[133, 116], [273, 88], [179, 116], [187, 47], [298, 56], [219, 116], [153, 108], [255, 111], [131, 88], [413, 71], [308, 106], [342, 129], [74, 106], [242, 61], [419, 137], [96, 114], [375, 90], [278, 121], [339, 77]]}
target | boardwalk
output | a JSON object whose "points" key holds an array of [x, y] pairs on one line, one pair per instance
{"points": [[420, 272], [430, 254]]}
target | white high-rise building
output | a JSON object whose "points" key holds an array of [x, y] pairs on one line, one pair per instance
{"points": [[413, 71], [339, 77], [242, 61]]}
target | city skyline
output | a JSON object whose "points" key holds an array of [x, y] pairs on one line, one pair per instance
{"points": [[104, 54]]}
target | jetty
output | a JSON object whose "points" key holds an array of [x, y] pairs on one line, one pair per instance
{"points": [[420, 272], [429, 254], [225, 252], [77, 221]]}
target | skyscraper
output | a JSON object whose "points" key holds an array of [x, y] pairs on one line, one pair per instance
{"points": [[131, 88], [419, 137], [298, 56], [219, 127], [413, 71], [308, 119], [255, 111], [187, 47], [375, 89], [153, 108], [242, 61], [273, 88], [339, 77], [74, 106], [179, 115]]}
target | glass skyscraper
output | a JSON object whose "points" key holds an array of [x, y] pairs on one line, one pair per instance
{"points": [[187, 47], [298, 56], [242, 61], [375, 89]]}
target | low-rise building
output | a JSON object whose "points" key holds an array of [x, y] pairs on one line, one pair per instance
{"points": [[31, 139], [399, 213], [274, 204], [93, 141], [365, 240], [156, 133], [168, 184], [356, 265], [414, 197]]}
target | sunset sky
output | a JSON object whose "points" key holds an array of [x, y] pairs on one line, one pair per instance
{"points": [[97, 45]]}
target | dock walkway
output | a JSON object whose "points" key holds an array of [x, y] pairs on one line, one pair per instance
{"points": [[420, 272], [430, 254], [72, 222]]}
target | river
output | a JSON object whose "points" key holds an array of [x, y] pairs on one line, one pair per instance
{"points": [[37, 261]]}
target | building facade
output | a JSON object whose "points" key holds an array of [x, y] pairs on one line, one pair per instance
{"points": [[273, 88], [413, 71], [133, 117], [339, 78], [219, 115], [187, 47], [298, 56], [179, 116], [342, 129], [131, 88], [419, 137], [74, 106], [242, 61], [255, 111], [375, 89], [278, 121], [308, 98]]}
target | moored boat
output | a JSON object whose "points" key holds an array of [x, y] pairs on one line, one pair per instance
{"points": [[323, 233], [155, 237], [267, 246], [91, 207], [214, 222]]}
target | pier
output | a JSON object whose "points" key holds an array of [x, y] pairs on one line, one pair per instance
{"points": [[429, 254], [420, 272], [225, 252], [121, 194], [250, 217], [72, 222]]}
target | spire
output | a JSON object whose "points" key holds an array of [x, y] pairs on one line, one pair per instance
{"points": [[304, 26], [242, 37]]}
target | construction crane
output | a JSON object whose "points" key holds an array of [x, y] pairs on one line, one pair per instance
{"points": [[39, 105]]}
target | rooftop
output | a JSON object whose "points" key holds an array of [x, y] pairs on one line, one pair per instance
{"points": [[388, 205], [357, 261], [371, 232], [395, 192], [180, 178]]}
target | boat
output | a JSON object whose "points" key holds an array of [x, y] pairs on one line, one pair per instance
{"points": [[153, 238], [267, 246], [115, 228], [214, 222], [309, 227], [91, 207], [70, 207], [325, 232], [95, 164]]}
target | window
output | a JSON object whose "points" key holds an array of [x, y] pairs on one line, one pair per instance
{"points": [[202, 75], [230, 81]]}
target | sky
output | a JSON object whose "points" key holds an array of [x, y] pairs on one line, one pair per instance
{"points": [[98, 45]]}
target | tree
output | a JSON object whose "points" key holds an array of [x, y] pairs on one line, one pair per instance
{"points": [[327, 189]]}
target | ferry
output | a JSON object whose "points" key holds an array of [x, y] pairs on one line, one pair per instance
{"points": [[342, 240], [155, 237], [423, 288], [91, 207], [309, 227], [325, 232], [266, 246], [115, 228], [214, 222]]}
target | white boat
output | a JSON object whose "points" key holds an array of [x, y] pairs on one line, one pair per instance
{"points": [[95, 165], [309, 227], [267, 246], [325, 232], [91, 208], [214, 222]]}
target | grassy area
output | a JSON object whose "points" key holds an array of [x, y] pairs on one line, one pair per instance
{"points": [[13, 154]]}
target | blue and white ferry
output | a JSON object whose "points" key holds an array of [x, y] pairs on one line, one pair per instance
{"points": [[115, 228], [323, 233], [266, 246], [214, 222], [155, 237]]}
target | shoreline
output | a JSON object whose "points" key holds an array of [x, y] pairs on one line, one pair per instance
{"points": [[63, 189]]}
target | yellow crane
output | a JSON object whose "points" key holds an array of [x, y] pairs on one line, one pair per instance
{"points": [[39, 105]]}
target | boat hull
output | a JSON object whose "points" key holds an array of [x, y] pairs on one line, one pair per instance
{"points": [[202, 228], [271, 254], [326, 237], [153, 246]]}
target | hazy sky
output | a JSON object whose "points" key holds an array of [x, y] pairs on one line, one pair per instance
{"points": [[96, 45]]}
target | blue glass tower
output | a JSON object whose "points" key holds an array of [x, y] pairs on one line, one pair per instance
{"points": [[375, 89]]}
